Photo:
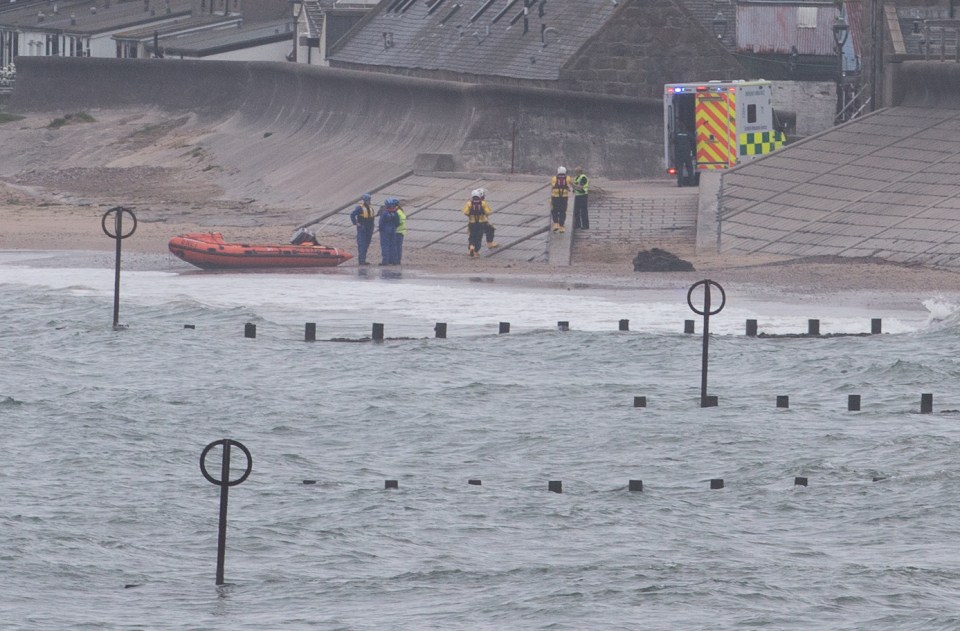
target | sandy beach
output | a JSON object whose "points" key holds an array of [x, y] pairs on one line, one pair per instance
{"points": [[54, 192]]}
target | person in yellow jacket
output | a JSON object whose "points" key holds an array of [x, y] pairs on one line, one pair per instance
{"points": [[581, 190], [398, 235], [477, 211], [559, 193]]}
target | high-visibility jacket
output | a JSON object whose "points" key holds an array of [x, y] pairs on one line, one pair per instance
{"points": [[477, 212], [363, 212], [581, 185], [559, 186], [401, 221]]}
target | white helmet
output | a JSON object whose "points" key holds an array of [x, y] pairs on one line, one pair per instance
{"points": [[482, 192], [561, 170], [477, 193]]}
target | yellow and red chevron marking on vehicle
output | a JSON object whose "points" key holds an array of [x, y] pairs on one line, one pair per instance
{"points": [[716, 114]]}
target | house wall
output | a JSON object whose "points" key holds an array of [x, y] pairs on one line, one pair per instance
{"points": [[276, 51], [814, 103], [264, 10]]}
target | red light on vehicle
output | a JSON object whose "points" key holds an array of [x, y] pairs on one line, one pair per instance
{"points": [[733, 89], [671, 171], [701, 88], [669, 90]]}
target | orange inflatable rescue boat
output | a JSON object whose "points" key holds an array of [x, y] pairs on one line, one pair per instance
{"points": [[208, 250]]}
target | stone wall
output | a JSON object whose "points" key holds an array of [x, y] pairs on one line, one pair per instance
{"points": [[645, 45], [814, 103], [533, 131]]}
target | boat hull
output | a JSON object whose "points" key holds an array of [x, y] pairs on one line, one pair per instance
{"points": [[208, 250]]}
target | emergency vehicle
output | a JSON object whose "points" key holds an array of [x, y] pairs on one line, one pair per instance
{"points": [[730, 121]]}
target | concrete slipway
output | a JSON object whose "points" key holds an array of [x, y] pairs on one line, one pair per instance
{"points": [[886, 185]]}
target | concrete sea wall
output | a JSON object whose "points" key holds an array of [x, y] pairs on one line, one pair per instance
{"points": [[296, 133]]}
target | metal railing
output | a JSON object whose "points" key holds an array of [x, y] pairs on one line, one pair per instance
{"points": [[855, 99], [8, 76], [940, 40]]}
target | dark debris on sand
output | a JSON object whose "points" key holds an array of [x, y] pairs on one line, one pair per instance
{"points": [[657, 260]]}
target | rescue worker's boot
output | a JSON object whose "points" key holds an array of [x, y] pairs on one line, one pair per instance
{"points": [[473, 251], [556, 227], [561, 229], [491, 245]]}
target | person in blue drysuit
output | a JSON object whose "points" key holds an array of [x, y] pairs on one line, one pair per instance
{"points": [[363, 218], [389, 220]]}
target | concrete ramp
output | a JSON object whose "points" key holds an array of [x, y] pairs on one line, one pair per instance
{"points": [[292, 134], [279, 133], [886, 185], [434, 202]]}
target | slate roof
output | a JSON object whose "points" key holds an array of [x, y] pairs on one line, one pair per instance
{"points": [[475, 37], [705, 11], [224, 40], [201, 22], [77, 18], [885, 185], [7, 7]]}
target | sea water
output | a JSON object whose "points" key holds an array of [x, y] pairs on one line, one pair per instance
{"points": [[106, 521]]}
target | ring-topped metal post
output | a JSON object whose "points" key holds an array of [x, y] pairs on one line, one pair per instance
{"points": [[706, 312], [118, 235], [224, 483]]}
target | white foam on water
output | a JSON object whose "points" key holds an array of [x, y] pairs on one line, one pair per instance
{"points": [[411, 301]]}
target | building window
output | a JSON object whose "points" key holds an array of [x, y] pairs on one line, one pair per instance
{"points": [[806, 17]]}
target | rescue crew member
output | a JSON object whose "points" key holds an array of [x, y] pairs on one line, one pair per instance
{"points": [[363, 218], [581, 187], [388, 230], [477, 212], [400, 233], [488, 228], [559, 192], [683, 147]]}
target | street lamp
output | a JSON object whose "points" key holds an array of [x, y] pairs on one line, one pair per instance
{"points": [[719, 24], [841, 30]]}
